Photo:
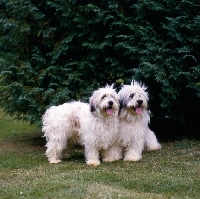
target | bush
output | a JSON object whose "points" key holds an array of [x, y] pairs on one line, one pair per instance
{"points": [[57, 51]]}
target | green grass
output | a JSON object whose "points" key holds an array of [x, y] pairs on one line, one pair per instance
{"points": [[173, 172]]}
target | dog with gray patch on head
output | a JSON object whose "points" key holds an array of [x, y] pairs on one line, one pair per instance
{"points": [[94, 125], [134, 133]]}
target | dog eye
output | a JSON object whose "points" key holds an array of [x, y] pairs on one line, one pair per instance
{"points": [[104, 96], [131, 95]]}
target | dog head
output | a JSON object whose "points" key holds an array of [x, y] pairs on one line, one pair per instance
{"points": [[105, 101], [133, 98]]}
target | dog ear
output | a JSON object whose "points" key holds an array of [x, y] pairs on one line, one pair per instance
{"points": [[92, 108], [92, 101], [122, 101], [120, 104]]}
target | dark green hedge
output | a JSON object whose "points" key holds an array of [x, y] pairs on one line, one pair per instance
{"points": [[53, 51]]}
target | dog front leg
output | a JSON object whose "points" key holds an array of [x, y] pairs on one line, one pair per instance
{"points": [[133, 152], [92, 156], [132, 155]]}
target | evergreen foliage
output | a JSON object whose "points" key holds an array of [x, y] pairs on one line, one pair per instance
{"points": [[53, 51]]}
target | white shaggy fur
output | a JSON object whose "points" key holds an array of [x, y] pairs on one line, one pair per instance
{"points": [[94, 125], [134, 132]]}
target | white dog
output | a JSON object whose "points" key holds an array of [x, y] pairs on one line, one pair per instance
{"points": [[94, 125], [134, 132]]}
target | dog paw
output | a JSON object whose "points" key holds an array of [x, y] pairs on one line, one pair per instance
{"points": [[55, 161], [93, 163]]}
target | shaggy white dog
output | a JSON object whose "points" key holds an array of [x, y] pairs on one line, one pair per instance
{"points": [[134, 132], [94, 125]]}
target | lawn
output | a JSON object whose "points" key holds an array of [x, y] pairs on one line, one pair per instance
{"points": [[172, 172]]}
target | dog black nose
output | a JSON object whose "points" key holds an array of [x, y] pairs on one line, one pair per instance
{"points": [[110, 103], [139, 102]]}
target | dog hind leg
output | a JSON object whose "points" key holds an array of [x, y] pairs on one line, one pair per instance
{"points": [[54, 151]]}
